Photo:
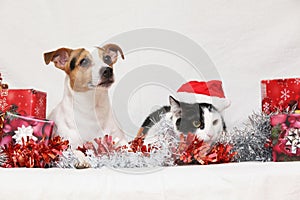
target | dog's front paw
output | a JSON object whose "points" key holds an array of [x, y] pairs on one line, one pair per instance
{"points": [[82, 165], [83, 162]]}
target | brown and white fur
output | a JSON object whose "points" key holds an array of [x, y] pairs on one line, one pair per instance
{"points": [[85, 112]]}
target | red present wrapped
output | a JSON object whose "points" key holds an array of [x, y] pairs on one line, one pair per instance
{"points": [[280, 94], [17, 126], [285, 137], [29, 102], [3, 95]]}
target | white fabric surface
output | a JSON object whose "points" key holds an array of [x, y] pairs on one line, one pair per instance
{"points": [[247, 40], [226, 181]]}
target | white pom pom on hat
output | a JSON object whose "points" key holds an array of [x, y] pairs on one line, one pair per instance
{"points": [[204, 92]]}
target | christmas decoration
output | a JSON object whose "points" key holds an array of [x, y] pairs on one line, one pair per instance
{"points": [[31, 145], [168, 150], [134, 155], [66, 160], [3, 95], [285, 137], [191, 150], [1, 122], [293, 140], [30, 102], [280, 94], [33, 154], [251, 141], [3, 158], [24, 133], [204, 92], [16, 126]]}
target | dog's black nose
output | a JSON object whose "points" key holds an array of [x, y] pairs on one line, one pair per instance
{"points": [[108, 72]]}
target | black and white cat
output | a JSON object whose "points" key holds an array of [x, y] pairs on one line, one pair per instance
{"points": [[201, 119]]}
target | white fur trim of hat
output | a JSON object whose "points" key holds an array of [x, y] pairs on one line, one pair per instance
{"points": [[204, 92]]}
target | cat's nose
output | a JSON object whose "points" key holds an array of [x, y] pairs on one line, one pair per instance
{"points": [[210, 136]]}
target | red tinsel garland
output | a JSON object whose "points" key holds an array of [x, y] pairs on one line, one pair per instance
{"points": [[190, 150], [34, 154], [106, 145]]}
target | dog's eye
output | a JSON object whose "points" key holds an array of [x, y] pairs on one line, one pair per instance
{"points": [[107, 60], [196, 123], [84, 62]]}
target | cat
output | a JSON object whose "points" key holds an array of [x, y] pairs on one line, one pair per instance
{"points": [[201, 119]]}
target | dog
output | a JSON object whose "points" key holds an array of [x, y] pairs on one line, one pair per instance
{"points": [[85, 112]]}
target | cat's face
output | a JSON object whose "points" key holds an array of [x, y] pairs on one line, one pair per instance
{"points": [[201, 119]]}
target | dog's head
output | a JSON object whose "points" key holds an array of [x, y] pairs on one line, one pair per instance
{"points": [[87, 70]]}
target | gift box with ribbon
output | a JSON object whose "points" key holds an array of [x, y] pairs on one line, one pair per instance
{"points": [[285, 137], [29, 102], [3, 95], [17, 128], [280, 95]]}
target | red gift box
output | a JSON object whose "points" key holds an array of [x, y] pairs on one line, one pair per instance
{"points": [[39, 129], [3, 95], [29, 102], [280, 94], [285, 137], [3, 99]]}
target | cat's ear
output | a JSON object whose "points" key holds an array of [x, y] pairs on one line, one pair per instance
{"points": [[175, 106]]}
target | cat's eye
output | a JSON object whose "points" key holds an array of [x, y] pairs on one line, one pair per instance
{"points": [[178, 122], [215, 122], [196, 123]]}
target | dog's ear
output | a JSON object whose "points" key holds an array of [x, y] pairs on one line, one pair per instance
{"points": [[110, 53], [60, 57]]}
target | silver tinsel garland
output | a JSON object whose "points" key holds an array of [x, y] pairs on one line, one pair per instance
{"points": [[3, 158], [166, 140], [250, 141], [67, 160]]}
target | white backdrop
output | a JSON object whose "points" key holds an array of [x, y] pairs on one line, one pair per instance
{"points": [[247, 41]]}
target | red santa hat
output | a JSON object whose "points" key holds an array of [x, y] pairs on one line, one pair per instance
{"points": [[204, 92]]}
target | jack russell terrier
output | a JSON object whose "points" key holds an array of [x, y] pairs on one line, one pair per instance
{"points": [[85, 112]]}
